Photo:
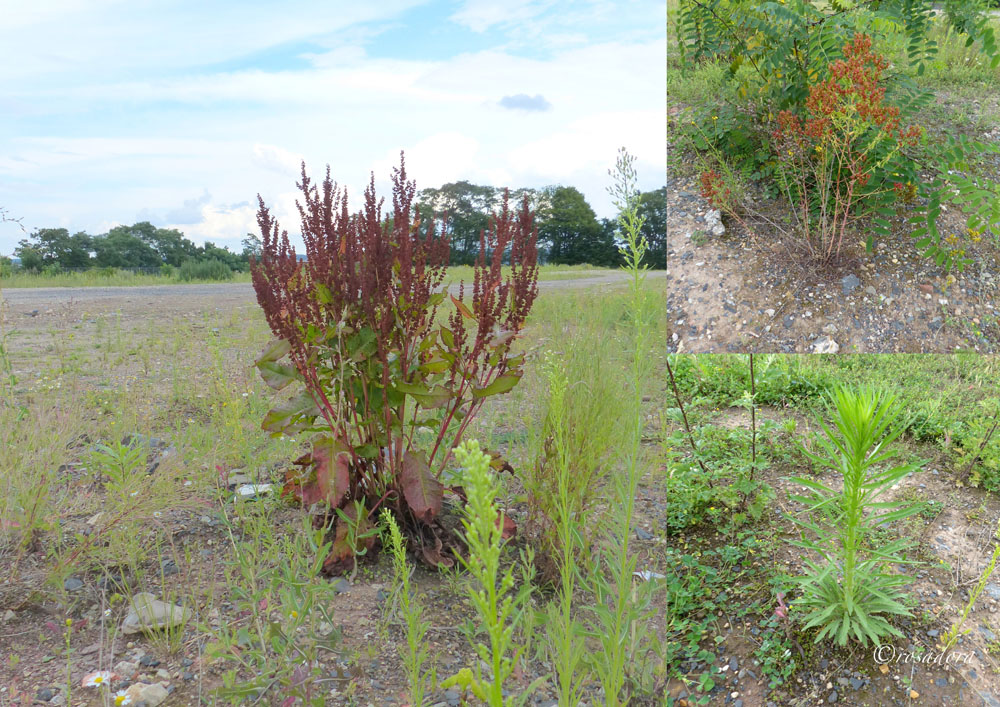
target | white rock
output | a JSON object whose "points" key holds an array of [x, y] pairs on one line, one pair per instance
{"points": [[646, 575], [769, 312], [713, 220], [126, 668], [826, 345], [152, 695], [253, 490], [149, 613]]}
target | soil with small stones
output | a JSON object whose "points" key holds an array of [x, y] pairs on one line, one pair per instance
{"points": [[953, 542], [737, 292]]}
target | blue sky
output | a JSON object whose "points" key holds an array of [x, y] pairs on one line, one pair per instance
{"points": [[180, 112]]}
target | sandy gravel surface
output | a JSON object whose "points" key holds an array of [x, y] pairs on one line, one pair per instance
{"points": [[25, 300]]}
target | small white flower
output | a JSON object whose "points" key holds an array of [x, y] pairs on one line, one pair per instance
{"points": [[97, 678], [157, 514], [122, 698]]}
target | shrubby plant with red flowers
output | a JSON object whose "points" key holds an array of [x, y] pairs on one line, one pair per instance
{"points": [[836, 162], [386, 388], [791, 59]]}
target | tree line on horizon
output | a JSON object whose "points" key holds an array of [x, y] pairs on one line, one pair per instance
{"points": [[569, 233]]}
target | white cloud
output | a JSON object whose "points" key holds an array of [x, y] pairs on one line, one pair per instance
{"points": [[587, 144], [435, 160], [222, 225], [277, 159], [481, 15]]}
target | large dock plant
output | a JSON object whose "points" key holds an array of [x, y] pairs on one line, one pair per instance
{"points": [[387, 386]]}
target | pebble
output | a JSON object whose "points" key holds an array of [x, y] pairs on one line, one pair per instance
{"points": [[126, 668], [147, 612], [826, 345], [45, 694], [73, 584]]}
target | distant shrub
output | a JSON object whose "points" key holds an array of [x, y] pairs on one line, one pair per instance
{"points": [[167, 270], [6, 267], [204, 270], [107, 271]]}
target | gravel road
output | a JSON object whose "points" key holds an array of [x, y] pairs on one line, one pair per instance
{"points": [[39, 297]]}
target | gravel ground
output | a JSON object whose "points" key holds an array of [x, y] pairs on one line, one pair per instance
{"points": [[742, 292], [21, 298]]}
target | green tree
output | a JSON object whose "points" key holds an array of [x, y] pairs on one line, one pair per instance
{"points": [[210, 251], [31, 259], [123, 247], [467, 207], [171, 245], [251, 246], [653, 207], [54, 246], [571, 230]]}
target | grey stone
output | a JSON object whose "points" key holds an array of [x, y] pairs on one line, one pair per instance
{"points": [[849, 282], [826, 345], [45, 694], [73, 584], [832, 698], [993, 590], [149, 613], [642, 534], [168, 568]]}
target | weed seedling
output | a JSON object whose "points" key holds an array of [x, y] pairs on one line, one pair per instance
{"points": [[498, 607], [415, 653]]}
